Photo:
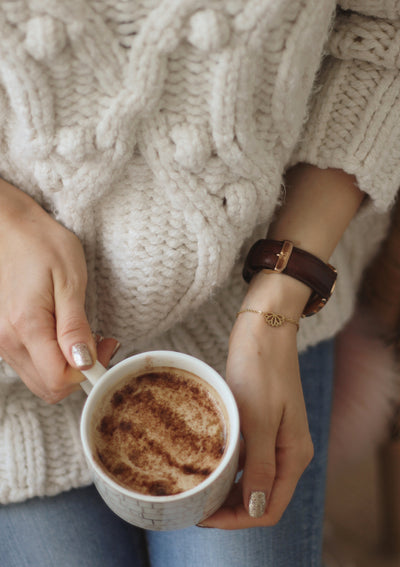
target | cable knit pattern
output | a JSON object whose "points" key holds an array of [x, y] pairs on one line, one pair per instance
{"points": [[158, 131]]}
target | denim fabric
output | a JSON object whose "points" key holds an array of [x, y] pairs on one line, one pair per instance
{"points": [[73, 529], [77, 529]]}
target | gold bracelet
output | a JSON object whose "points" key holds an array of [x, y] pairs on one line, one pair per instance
{"points": [[272, 319]]}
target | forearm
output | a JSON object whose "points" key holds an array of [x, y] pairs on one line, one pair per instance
{"points": [[317, 208]]}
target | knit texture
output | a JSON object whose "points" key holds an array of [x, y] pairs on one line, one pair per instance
{"points": [[158, 132], [355, 120]]}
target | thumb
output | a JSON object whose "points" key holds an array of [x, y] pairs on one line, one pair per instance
{"points": [[259, 474], [74, 335]]}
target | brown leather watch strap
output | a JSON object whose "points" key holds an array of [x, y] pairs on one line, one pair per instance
{"points": [[281, 256]]}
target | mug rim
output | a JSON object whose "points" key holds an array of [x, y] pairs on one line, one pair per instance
{"points": [[227, 399]]}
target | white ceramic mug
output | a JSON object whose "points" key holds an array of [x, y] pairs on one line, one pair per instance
{"points": [[161, 512]]}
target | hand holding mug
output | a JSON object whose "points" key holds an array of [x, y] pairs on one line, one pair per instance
{"points": [[42, 284]]}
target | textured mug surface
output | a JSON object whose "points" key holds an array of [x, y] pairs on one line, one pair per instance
{"points": [[172, 511]]}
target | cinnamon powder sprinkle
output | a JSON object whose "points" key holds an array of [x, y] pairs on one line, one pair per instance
{"points": [[160, 433]]}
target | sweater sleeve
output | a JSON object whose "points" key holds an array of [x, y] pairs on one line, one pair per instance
{"points": [[354, 118]]}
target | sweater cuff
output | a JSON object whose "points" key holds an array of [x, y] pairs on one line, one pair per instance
{"points": [[354, 125]]}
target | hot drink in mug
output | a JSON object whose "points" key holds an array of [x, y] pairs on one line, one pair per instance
{"points": [[161, 433]]}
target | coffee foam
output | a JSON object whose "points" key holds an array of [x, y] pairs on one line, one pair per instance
{"points": [[160, 433]]}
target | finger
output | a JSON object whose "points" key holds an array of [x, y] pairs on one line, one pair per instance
{"points": [[260, 422], [14, 353], [58, 377], [106, 349], [30, 347], [74, 335], [246, 505], [259, 470], [233, 515], [291, 463], [35, 325], [274, 464]]}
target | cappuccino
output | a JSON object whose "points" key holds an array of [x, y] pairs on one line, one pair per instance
{"points": [[159, 433]]}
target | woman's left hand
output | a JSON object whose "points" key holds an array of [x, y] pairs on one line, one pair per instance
{"points": [[262, 367], [263, 373]]}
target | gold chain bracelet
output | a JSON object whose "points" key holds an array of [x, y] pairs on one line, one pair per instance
{"points": [[272, 319]]}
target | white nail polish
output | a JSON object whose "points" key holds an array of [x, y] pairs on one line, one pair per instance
{"points": [[257, 504], [81, 355]]}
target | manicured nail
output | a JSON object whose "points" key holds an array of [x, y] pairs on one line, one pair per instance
{"points": [[204, 527], [116, 349], [81, 355], [257, 504]]}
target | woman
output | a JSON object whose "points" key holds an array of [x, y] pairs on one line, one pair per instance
{"points": [[143, 147]]}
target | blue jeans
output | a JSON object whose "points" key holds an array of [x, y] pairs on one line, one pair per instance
{"points": [[76, 529]]}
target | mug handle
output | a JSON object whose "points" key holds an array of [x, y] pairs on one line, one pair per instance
{"points": [[92, 375]]}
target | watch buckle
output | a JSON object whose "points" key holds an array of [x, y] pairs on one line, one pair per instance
{"points": [[283, 256]]}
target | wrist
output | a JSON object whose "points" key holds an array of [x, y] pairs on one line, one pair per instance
{"points": [[278, 293], [281, 257]]}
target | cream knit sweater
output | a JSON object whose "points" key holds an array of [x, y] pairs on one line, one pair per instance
{"points": [[158, 131]]}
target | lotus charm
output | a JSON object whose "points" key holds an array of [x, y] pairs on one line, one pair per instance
{"points": [[274, 319], [271, 319]]}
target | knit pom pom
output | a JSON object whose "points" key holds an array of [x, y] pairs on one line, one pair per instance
{"points": [[45, 37], [208, 30], [365, 392], [193, 147]]}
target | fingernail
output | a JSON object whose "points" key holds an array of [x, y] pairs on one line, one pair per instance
{"points": [[257, 504], [81, 355], [204, 527], [116, 349]]}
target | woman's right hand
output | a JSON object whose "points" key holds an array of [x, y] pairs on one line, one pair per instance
{"points": [[42, 289]]}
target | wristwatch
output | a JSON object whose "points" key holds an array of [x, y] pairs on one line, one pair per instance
{"points": [[276, 256]]}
